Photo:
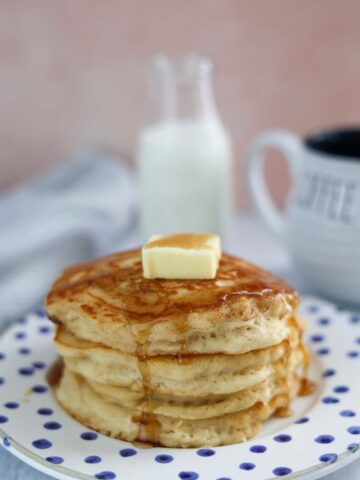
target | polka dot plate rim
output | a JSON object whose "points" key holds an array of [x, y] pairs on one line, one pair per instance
{"points": [[322, 435]]}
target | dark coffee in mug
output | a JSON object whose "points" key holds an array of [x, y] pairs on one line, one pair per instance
{"points": [[338, 143]]}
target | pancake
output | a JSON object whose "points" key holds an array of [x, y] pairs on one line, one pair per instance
{"points": [[109, 302], [181, 363], [190, 375], [211, 405], [95, 411]]}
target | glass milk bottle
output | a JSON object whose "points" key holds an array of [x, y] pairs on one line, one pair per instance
{"points": [[184, 153]]}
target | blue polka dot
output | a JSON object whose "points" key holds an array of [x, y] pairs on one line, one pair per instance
{"points": [[330, 400], [328, 458], [223, 478], [357, 340], [11, 405], [24, 351], [330, 372], [281, 471], [55, 460], [205, 452], [42, 443], [42, 312], [45, 411], [355, 319], [2, 356], [323, 351], [3, 419], [258, 449], [347, 413], [106, 475], [324, 321], [20, 335], [6, 442], [324, 439], [45, 329], [128, 452], [164, 458], [282, 438], [2, 380], [355, 430], [21, 321], [39, 389], [353, 447], [247, 466], [52, 425], [353, 354], [39, 365], [92, 459], [89, 436], [317, 338], [302, 420], [341, 389], [26, 371], [188, 475]]}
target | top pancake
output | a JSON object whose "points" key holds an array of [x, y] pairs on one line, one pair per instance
{"points": [[108, 300]]}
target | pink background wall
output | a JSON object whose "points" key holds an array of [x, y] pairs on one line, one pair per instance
{"points": [[72, 72]]}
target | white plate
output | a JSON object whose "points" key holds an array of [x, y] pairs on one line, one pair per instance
{"points": [[322, 435]]}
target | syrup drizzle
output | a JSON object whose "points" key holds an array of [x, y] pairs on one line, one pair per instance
{"points": [[283, 412], [122, 273], [148, 424], [307, 387], [198, 241], [54, 373]]}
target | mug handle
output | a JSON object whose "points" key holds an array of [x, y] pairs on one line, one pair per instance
{"points": [[289, 145]]}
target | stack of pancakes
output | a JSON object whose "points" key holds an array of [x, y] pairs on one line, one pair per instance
{"points": [[181, 363]]}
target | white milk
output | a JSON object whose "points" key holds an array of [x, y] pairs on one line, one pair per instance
{"points": [[185, 170]]}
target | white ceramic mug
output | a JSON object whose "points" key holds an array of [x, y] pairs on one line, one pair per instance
{"points": [[321, 221]]}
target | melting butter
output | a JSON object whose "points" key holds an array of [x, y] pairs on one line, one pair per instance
{"points": [[181, 256]]}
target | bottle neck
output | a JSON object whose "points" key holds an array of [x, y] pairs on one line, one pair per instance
{"points": [[182, 91]]}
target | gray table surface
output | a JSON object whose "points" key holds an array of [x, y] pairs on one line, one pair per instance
{"points": [[252, 242]]}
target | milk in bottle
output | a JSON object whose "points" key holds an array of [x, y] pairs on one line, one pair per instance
{"points": [[184, 154]]}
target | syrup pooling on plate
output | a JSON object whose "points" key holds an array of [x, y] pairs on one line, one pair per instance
{"points": [[54, 373], [307, 387]]}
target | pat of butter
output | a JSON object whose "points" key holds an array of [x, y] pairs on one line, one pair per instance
{"points": [[185, 255]]}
